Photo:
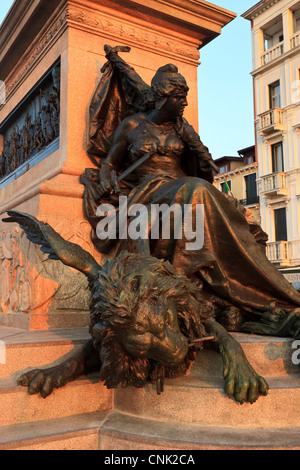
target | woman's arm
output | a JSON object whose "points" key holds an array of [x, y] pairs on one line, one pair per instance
{"points": [[107, 175], [204, 161]]}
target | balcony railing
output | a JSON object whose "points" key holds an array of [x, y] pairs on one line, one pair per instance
{"points": [[279, 252], [272, 54], [295, 40], [271, 121], [274, 185]]}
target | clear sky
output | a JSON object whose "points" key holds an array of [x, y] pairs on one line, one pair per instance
{"points": [[4, 7], [226, 122], [226, 116]]}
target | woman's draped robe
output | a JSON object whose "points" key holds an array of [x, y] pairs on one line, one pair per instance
{"points": [[232, 264]]}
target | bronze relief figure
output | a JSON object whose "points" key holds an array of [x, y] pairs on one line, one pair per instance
{"points": [[155, 302]]}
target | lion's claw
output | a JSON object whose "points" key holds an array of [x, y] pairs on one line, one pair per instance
{"points": [[243, 384], [42, 381]]}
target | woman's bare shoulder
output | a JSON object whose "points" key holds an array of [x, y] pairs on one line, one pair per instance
{"points": [[131, 122]]}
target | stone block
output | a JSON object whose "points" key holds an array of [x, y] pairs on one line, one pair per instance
{"points": [[86, 395]]}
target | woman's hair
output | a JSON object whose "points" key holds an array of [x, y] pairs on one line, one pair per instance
{"points": [[168, 81]]}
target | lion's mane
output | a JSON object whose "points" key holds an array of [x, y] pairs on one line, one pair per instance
{"points": [[123, 283]]}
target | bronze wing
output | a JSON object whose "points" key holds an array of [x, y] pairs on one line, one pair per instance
{"points": [[54, 245]]}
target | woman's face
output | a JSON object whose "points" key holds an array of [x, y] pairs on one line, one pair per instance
{"points": [[176, 104]]}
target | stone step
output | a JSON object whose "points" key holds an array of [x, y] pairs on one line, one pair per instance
{"points": [[202, 402], [113, 431], [125, 432], [202, 390], [85, 395], [269, 356], [79, 432], [176, 404], [32, 349]]}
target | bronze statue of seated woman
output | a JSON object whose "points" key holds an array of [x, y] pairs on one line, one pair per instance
{"points": [[160, 297], [132, 122]]}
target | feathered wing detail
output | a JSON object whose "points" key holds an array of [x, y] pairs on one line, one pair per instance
{"points": [[33, 229], [54, 245]]}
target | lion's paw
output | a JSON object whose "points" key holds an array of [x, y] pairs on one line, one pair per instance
{"points": [[43, 381], [242, 383]]}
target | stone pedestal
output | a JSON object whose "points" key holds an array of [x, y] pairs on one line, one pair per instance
{"points": [[37, 40], [191, 414]]}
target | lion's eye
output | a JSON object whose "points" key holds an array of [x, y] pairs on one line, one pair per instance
{"points": [[135, 283]]}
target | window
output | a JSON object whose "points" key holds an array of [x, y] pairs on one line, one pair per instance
{"points": [[275, 95], [224, 168], [280, 225], [248, 160], [296, 21], [296, 88], [225, 186], [251, 189], [274, 35], [277, 158], [266, 42]]}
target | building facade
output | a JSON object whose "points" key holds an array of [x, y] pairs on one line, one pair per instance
{"points": [[238, 176], [275, 26]]}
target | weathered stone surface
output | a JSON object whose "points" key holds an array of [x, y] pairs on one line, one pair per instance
{"points": [[23, 348], [80, 432], [34, 287], [191, 414], [86, 395]]}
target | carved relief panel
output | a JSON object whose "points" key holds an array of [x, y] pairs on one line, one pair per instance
{"points": [[33, 125], [31, 283]]}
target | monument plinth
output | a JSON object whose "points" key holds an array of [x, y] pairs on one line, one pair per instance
{"points": [[51, 57]]}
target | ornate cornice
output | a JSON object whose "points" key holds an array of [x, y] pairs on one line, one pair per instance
{"points": [[201, 8], [35, 53], [31, 26], [238, 171], [258, 9], [133, 32], [127, 32]]}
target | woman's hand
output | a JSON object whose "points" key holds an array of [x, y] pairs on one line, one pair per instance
{"points": [[108, 180]]}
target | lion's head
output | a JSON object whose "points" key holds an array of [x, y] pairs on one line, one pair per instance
{"points": [[143, 312]]}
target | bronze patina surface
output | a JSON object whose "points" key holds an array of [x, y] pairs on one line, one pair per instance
{"points": [[156, 302]]}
